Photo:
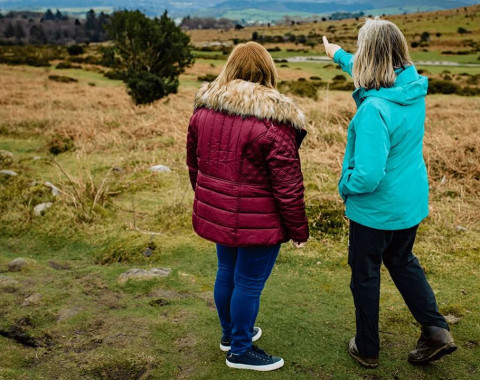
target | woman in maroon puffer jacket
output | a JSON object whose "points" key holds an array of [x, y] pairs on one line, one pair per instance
{"points": [[242, 154]]}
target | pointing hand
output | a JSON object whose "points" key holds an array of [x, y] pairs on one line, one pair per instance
{"points": [[330, 49]]}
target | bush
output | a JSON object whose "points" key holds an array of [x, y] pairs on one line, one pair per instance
{"points": [[141, 42], [462, 30], [75, 50], [60, 144], [145, 87], [414, 44], [62, 79], [339, 77], [300, 88], [67, 65], [315, 78], [342, 86], [276, 48], [207, 78], [114, 75], [440, 86]]}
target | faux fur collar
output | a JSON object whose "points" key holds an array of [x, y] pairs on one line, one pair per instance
{"points": [[240, 97]]}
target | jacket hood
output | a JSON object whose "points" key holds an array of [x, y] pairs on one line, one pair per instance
{"points": [[239, 97], [408, 88]]}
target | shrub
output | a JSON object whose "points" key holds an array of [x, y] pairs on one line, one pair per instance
{"points": [[141, 42], [414, 44], [62, 79], [60, 144], [462, 30], [440, 86], [114, 74], [276, 48], [207, 78], [67, 65], [300, 88], [145, 87], [75, 50], [315, 78], [342, 86], [339, 77]]}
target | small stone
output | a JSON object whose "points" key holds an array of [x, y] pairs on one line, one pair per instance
{"points": [[148, 252], [160, 169], [34, 299], [40, 208], [67, 313], [142, 274], [6, 281], [452, 319], [8, 172], [55, 189], [57, 266], [6, 153], [117, 169], [36, 158], [20, 264], [443, 180], [461, 228], [319, 262]]}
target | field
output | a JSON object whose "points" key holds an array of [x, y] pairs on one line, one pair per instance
{"points": [[68, 313]]}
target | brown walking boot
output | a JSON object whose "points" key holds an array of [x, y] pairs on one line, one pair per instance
{"points": [[366, 362], [434, 342]]}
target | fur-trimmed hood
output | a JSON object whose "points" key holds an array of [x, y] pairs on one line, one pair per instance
{"points": [[239, 97]]}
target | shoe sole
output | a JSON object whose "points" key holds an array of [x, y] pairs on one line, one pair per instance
{"points": [[438, 354], [254, 339], [360, 361], [263, 368]]}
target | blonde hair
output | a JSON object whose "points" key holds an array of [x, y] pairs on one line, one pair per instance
{"points": [[250, 62], [382, 48]]}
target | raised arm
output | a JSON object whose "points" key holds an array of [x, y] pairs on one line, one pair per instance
{"points": [[340, 56]]}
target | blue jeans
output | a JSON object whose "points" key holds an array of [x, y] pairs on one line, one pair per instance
{"points": [[241, 277]]}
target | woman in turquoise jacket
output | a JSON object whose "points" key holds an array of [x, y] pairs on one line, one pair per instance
{"points": [[384, 186]]}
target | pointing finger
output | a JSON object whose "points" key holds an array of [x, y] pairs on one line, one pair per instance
{"points": [[325, 41]]}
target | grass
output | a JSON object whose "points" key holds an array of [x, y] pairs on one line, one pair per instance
{"points": [[88, 325]]}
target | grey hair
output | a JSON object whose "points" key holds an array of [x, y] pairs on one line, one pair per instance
{"points": [[382, 48]]}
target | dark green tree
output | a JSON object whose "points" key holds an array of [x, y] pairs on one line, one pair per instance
{"points": [[9, 31], [152, 54], [90, 20], [37, 35], [49, 15], [19, 31]]}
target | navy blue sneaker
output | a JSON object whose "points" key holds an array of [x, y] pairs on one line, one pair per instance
{"points": [[255, 359], [225, 342]]}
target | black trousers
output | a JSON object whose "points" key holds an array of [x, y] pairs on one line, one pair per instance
{"points": [[367, 248]]}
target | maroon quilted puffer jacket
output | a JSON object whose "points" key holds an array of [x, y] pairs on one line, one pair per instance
{"points": [[242, 154]]}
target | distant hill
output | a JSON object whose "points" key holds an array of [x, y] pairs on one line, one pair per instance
{"points": [[244, 11]]}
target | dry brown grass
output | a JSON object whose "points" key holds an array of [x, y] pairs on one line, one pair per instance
{"points": [[104, 123]]}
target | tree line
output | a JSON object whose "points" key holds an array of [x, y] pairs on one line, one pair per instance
{"points": [[34, 28]]}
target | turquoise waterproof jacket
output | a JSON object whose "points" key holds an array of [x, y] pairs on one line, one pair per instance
{"points": [[384, 180]]}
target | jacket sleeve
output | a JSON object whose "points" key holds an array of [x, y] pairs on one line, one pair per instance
{"points": [[192, 159], [287, 180], [371, 149], [345, 60]]}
